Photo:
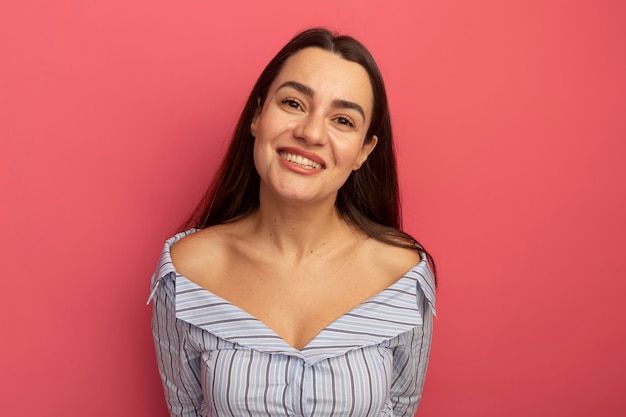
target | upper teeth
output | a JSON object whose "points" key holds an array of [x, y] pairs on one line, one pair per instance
{"points": [[300, 160]]}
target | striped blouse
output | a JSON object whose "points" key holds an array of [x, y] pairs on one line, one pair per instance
{"points": [[217, 360]]}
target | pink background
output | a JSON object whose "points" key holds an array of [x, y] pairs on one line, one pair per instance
{"points": [[511, 127]]}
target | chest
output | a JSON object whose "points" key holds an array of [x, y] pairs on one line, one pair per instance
{"points": [[297, 304]]}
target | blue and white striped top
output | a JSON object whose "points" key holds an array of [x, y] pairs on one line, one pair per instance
{"points": [[217, 360]]}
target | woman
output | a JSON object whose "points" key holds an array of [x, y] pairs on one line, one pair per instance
{"points": [[291, 296]]}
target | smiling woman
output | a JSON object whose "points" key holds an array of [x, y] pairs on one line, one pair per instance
{"points": [[310, 132], [293, 290]]}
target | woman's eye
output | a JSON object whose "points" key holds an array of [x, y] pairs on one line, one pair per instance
{"points": [[294, 104], [344, 121]]}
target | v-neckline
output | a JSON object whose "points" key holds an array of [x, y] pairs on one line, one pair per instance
{"points": [[384, 315]]}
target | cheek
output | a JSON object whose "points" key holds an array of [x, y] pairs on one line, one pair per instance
{"points": [[349, 154], [269, 122], [263, 155], [257, 155]]}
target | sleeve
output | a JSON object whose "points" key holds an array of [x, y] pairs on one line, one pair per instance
{"points": [[410, 360], [178, 359]]}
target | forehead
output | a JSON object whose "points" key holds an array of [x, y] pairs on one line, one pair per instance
{"points": [[328, 75]]}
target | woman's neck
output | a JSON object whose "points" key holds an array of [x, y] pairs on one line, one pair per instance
{"points": [[299, 229]]}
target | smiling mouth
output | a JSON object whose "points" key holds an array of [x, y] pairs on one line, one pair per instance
{"points": [[300, 160]]}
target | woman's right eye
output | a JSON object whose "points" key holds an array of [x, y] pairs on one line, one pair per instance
{"points": [[292, 103]]}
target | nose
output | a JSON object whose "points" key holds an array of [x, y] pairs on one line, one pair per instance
{"points": [[312, 129]]}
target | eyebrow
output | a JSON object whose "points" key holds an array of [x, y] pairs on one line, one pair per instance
{"points": [[338, 103]]}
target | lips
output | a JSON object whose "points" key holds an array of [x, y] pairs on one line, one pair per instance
{"points": [[302, 158]]}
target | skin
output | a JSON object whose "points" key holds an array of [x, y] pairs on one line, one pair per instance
{"points": [[294, 263], [318, 106]]}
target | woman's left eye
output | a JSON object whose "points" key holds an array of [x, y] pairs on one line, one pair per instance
{"points": [[344, 121]]}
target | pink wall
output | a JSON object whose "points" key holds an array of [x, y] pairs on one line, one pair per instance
{"points": [[511, 133]]}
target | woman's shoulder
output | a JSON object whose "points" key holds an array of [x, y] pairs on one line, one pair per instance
{"points": [[193, 253], [407, 261], [390, 260]]}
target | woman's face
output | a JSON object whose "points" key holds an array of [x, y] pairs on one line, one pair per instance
{"points": [[310, 132]]}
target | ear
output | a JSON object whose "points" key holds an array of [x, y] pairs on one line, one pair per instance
{"points": [[255, 119], [253, 124], [365, 152]]}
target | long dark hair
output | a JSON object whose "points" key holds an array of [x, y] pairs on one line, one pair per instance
{"points": [[369, 199]]}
